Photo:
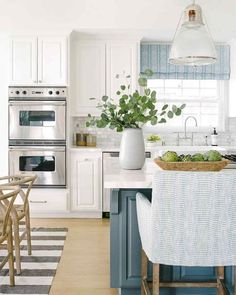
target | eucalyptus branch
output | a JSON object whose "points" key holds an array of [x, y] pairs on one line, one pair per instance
{"points": [[132, 110]]}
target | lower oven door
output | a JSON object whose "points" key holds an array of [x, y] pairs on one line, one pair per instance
{"points": [[48, 163]]}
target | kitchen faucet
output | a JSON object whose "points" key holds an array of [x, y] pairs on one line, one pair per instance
{"points": [[185, 124], [185, 130]]}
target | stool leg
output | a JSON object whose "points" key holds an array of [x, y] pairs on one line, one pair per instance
{"points": [[156, 279], [220, 275], [28, 234], [144, 263], [17, 245], [10, 258]]}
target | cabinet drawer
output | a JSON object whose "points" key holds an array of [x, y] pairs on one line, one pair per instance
{"points": [[48, 200]]}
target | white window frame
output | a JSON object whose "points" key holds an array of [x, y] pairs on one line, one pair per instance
{"points": [[223, 116]]}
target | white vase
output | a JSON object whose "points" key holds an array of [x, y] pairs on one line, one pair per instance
{"points": [[132, 149]]}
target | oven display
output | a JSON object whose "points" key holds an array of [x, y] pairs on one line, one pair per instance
{"points": [[37, 118], [37, 163]]}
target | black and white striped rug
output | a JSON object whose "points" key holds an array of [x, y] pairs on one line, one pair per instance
{"points": [[39, 269]]}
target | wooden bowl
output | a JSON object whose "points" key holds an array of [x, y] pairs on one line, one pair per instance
{"points": [[192, 166]]}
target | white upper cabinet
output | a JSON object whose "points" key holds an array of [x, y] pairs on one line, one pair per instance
{"points": [[89, 79], [122, 60], [38, 60], [23, 61], [94, 71], [52, 60]]}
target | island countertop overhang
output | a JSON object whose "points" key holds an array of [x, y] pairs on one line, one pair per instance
{"points": [[117, 178]]}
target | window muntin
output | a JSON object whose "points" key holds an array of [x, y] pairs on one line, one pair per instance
{"points": [[205, 99]]}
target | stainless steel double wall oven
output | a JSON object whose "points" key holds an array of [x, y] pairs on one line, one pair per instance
{"points": [[37, 133]]}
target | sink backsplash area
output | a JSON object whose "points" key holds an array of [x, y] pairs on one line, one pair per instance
{"points": [[107, 137]]}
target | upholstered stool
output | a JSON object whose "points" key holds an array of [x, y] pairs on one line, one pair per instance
{"points": [[190, 221]]}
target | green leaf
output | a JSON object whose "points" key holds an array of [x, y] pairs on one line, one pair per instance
{"points": [[87, 124], [148, 72], [183, 106], [162, 120], [154, 121], [153, 94], [170, 114], [104, 98], [144, 99], [89, 115], [163, 113], [122, 87], [142, 82], [118, 92], [174, 108], [165, 107], [178, 112], [119, 128], [147, 91]]}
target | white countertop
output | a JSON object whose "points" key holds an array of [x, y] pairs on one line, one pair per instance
{"points": [[119, 178], [116, 177], [156, 149]]}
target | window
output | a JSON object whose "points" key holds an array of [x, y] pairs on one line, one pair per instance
{"points": [[204, 99]]}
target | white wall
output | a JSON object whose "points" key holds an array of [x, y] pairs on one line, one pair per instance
{"points": [[161, 16], [4, 51]]}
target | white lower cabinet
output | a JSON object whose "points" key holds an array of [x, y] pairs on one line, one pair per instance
{"points": [[48, 202], [86, 183]]}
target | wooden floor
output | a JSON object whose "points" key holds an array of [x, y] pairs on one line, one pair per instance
{"points": [[84, 266]]}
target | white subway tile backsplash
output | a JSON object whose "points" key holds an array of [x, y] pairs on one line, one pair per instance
{"points": [[110, 137]]}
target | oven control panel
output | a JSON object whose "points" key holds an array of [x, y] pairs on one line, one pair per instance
{"points": [[37, 92]]}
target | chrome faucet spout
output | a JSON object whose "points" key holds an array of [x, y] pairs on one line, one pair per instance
{"points": [[185, 124]]}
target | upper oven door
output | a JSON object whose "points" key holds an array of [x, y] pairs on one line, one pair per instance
{"points": [[37, 120]]}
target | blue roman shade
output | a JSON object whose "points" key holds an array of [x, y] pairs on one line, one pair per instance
{"points": [[155, 57]]}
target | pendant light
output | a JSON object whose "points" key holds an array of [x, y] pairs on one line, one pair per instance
{"points": [[192, 43]]}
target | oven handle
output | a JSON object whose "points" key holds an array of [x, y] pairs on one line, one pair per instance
{"points": [[37, 148], [37, 103]]}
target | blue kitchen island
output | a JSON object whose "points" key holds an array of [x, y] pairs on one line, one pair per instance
{"points": [[125, 244]]}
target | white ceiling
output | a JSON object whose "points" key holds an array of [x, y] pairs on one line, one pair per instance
{"points": [[153, 19]]}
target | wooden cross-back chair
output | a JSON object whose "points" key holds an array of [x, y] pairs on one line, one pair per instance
{"points": [[21, 212], [8, 195]]}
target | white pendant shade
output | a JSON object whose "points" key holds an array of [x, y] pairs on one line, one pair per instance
{"points": [[192, 44]]}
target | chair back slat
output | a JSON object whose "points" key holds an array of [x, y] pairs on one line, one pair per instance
{"points": [[8, 195], [22, 180]]}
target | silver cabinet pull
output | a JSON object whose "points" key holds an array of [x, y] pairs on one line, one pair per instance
{"points": [[38, 202], [35, 81], [40, 81]]}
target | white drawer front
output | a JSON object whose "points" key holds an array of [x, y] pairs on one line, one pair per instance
{"points": [[51, 200]]}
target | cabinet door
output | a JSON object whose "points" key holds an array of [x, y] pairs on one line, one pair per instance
{"points": [[52, 60], [86, 182], [122, 60], [90, 76], [23, 61]]}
